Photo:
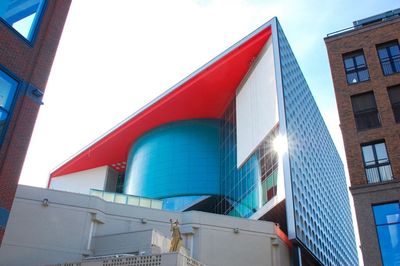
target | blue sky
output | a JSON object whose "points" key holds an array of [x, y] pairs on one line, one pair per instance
{"points": [[113, 59]]}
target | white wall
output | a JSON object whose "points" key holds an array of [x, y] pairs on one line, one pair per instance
{"points": [[60, 232], [81, 182], [256, 105]]}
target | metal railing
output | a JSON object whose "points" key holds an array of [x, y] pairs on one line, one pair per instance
{"points": [[379, 173], [391, 65], [127, 199], [340, 31], [367, 119]]}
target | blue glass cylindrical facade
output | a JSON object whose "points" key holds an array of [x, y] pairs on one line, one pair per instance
{"points": [[176, 159]]}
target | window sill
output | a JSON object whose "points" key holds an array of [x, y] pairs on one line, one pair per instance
{"points": [[356, 83]]}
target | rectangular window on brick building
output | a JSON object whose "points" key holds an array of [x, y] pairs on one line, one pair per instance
{"points": [[387, 221], [22, 15], [8, 88], [355, 67], [376, 162], [394, 96], [389, 56], [365, 111]]}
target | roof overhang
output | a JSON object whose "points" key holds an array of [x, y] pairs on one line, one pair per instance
{"points": [[203, 94]]}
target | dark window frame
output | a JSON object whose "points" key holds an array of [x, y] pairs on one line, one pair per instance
{"points": [[392, 60], [376, 162], [36, 29], [395, 105], [365, 119], [357, 68], [10, 111]]}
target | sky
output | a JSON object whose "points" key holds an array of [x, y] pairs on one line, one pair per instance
{"points": [[114, 59]]}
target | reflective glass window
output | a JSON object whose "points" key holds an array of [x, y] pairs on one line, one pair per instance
{"points": [[22, 15], [8, 88], [376, 162], [394, 95], [387, 221], [389, 56], [355, 67], [365, 111]]}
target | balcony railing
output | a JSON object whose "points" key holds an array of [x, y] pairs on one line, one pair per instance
{"points": [[367, 119], [396, 112], [127, 199], [379, 173], [390, 65]]}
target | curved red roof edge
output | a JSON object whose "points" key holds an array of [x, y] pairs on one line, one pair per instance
{"points": [[207, 87]]}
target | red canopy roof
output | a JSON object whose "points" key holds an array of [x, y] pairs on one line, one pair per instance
{"points": [[204, 94]]}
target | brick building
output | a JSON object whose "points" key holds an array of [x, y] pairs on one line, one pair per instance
{"points": [[365, 66], [29, 34]]}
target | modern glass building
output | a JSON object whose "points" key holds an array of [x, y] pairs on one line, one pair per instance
{"points": [[241, 136]]}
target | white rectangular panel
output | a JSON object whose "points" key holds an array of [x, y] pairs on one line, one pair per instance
{"points": [[256, 105], [81, 182]]}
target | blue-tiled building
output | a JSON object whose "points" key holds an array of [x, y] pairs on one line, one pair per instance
{"points": [[241, 136]]}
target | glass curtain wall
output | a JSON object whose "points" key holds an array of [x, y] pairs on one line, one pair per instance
{"points": [[248, 188]]}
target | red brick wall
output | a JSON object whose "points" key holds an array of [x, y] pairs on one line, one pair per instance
{"points": [[366, 38], [31, 64]]}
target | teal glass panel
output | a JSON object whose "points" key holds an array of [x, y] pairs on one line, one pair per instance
{"points": [[176, 159], [120, 198], [180, 203], [108, 196], [22, 15], [145, 203], [387, 220], [132, 200], [97, 193], [241, 188], [156, 204]]}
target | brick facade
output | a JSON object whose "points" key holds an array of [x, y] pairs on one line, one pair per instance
{"points": [[30, 64], [365, 39], [365, 195]]}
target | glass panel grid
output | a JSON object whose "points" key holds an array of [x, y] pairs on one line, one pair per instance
{"points": [[241, 187], [321, 209], [127, 199]]}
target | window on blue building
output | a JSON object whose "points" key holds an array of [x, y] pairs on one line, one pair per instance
{"points": [[22, 15], [8, 88], [356, 67], [389, 55], [387, 221], [376, 162]]}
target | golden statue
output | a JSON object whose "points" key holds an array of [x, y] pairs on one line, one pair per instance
{"points": [[176, 241]]}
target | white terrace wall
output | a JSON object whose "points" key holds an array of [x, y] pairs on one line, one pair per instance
{"points": [[65, 230]]}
